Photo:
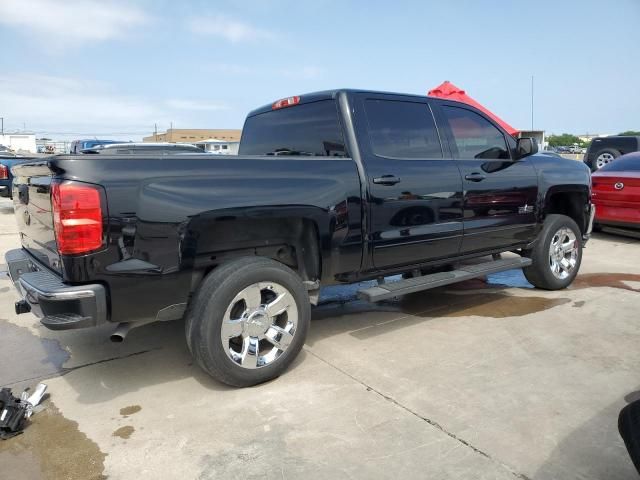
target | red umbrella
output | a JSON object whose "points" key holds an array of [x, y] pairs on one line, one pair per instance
{"points": [[449, 91]]}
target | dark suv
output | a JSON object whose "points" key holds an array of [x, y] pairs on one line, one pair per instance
{"points": [[603, 150]]}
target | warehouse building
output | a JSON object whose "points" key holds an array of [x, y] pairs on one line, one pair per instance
{"points": [[194, 135]]}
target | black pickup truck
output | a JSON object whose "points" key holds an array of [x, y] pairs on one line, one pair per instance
{"points": [[331, 187]]}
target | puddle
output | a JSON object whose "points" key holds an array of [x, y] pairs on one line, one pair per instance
{"points": [[124, 432], [615, 280], [51, 448], [130, 410], [28, 355]]}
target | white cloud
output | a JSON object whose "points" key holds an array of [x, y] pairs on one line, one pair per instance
{"points": [[204, 106], [71, 20], [228, 28], [59, 105]]}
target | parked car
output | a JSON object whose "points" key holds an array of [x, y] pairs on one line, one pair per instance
{"points": [[551, 153], [616, 193], [604, 150], [77, 146], [143, 148], [330, 187], [8, 160]]}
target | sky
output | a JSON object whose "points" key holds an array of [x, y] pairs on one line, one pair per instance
{"points": [[114, 69]]}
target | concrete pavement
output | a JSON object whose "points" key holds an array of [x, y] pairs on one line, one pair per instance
{"points": [[486, 379]]}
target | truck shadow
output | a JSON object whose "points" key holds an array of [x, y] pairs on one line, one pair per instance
{"points": [[155, 354]]}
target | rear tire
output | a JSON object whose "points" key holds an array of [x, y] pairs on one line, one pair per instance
{"points": [[248, 321], [604, 157], [556, 255]]}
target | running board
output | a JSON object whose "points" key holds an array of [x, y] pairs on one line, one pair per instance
{"points": [[416, 284]]}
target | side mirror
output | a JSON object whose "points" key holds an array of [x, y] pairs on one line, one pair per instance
{"points": [[526, 146]]}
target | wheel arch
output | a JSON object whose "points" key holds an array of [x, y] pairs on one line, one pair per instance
{"points": [[570, 200], [294, 241]]}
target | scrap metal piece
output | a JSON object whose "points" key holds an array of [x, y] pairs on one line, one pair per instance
{"points": [[15, 411]]}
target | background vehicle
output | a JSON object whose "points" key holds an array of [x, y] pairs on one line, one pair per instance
{"points": [[550, 153], [329, 187], [616, 193], [604, 150], [143, 148], [77, 146], [8, 160]]}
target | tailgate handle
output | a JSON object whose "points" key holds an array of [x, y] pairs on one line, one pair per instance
{"points": [[386, 180]]}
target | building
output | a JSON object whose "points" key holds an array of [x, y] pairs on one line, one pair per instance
{"points": [[194, 135], [539, 135], [220, 147], [21, 142], [587, 137]]}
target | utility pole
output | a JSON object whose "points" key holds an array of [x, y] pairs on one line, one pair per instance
{"points": [[1, 125], [532, 102]]}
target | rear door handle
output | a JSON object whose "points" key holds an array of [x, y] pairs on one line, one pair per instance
{"points": [[386, 180], [475, 177]]}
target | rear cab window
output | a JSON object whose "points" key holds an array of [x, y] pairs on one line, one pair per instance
{"points": [[306, 129]]}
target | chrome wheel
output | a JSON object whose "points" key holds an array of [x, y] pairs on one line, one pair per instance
{"points": [[563, 253], [259, 324], [603, 159]]}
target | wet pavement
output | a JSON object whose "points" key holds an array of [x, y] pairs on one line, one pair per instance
{"points": [[489, 378]]}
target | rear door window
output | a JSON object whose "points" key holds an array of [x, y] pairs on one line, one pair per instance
{"points": [[402, 130], [474, 137], [308, 129]]}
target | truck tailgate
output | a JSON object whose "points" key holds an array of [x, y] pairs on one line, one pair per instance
{"points": [[32, 204]]}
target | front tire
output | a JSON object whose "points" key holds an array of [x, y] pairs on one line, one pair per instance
{"points": [[557, 254], [248, 321]]}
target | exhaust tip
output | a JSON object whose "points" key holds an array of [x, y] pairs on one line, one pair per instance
{"points": [[120, 333]]}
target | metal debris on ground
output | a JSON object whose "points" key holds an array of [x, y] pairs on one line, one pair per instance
{"points": [[15, 411]]}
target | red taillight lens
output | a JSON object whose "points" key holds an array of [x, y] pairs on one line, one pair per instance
{"points": [[285, 102], [77, 217], [4, 172]]}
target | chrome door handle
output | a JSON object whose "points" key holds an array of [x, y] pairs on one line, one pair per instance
{"points": [[386, 180], [475, 177]]}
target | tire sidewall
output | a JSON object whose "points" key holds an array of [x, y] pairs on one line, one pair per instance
{"points": [[210, 349], [552, 225]]}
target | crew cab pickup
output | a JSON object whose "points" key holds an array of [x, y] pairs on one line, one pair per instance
{"points": [[330, 187]]}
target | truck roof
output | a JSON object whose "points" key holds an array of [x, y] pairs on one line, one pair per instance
{"points": [[331, 94]]}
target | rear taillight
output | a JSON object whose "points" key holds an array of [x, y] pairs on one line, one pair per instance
{"points": [[77, 217], [4, 172]]}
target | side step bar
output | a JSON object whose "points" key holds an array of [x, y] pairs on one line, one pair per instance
{"points": [[416, 284]]}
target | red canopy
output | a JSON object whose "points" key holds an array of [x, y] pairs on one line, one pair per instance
{"points": [[449, 91]]}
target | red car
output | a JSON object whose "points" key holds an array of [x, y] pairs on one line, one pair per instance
{"points": [[616, 192]]}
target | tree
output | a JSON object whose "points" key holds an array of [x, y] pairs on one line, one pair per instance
{"points": [[630, 133], [564, 140]]}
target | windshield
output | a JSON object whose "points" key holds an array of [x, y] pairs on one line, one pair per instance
{"points": [[306, 129]]}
